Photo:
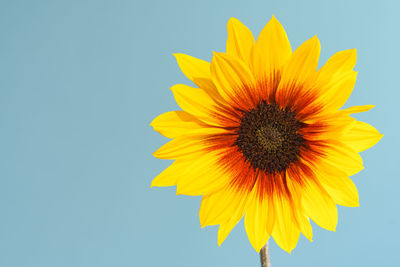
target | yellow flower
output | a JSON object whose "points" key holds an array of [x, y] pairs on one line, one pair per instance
{"points": [[263, 137]]}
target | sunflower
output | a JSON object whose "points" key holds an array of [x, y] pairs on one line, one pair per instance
{"points": [[263, 136]]}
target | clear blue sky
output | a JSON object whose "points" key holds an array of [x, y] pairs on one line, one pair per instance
{"points": [[80, 82]]}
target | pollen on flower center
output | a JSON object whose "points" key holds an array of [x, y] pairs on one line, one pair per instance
{"points": [[268, 137]]}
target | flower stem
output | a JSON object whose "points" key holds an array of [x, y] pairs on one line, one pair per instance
{"points": [[264, 256]]}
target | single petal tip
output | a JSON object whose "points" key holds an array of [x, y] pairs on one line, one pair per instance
{"points": [[315, 38], [216, 54], [232, 20], [274, 21], [173, 87]]}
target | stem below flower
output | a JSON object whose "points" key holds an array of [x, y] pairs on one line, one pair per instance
{"points": [[264, 256]]}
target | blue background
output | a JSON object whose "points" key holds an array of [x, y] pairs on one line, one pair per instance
{"points": [[80, 81]]}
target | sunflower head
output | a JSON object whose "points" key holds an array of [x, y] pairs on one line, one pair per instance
{"points": [[263, 136]]}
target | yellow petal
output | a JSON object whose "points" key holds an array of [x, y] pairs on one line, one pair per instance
{"points": [[175, 123], [286, 232], [218, 207], [204, 176], [300, 68], [303, 222], [186, 145], [343, 157], [195, 102], [319, 206], [193, 67], [170, 176], [339, 91], [338, 64], [272, 50], [334, 125], [208, 86], [357, 109], [259, 221], [305, 226], [240, 41], [361, 136], [341, 189], [335, 80], [226, 227], [198, 71], [233, 79], [178, 148]]}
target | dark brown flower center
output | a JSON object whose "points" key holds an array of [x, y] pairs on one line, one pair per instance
{"points": [[268, 137]]}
